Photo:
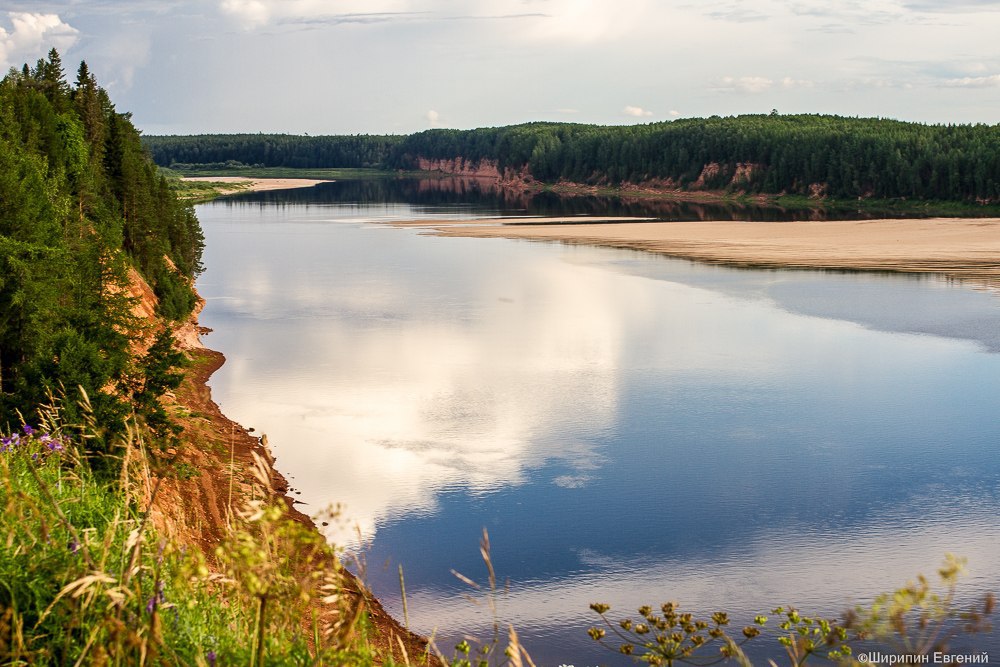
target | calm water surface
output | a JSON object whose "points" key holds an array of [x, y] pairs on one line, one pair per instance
{"points": [[629, 428]]}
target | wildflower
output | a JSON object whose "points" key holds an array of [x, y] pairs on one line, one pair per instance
{"points": [[27, 429], [210, 657], [73, 545], [159, 597]]}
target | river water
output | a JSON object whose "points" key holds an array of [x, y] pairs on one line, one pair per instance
{"points": [[628, 428]]}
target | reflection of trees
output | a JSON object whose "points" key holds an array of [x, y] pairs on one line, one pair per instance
{"points": [[489, 197]]}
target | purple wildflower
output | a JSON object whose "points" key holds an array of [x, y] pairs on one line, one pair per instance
{"points": [[27, 429], [158, 598], [73, 546], [210, 657]]}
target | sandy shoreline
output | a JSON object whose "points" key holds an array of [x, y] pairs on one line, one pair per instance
{"points": [[966, 248], [247, 184]]}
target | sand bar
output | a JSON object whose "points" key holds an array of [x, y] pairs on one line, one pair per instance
{"points": [[246, 184], [967, 248]]}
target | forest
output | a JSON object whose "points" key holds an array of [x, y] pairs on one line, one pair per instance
{"points": [[82, 208], [271, 150], [810, 155]]}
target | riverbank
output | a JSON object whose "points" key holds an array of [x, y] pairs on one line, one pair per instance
{"points": [[964, 248], [228, 185]]}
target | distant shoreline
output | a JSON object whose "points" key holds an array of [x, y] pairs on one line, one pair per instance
{"points": [[250, 184], [964, 248]]}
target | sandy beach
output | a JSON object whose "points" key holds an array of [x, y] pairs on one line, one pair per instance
{"points": [[246, 184], [967, 248]]}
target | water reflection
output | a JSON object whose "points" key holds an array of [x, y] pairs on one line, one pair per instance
{"points": [[622, 424], [403, 386], [448, 192]]}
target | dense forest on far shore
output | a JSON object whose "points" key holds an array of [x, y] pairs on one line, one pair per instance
{"points": [[82, 209], [811, 155], [271, 150]]}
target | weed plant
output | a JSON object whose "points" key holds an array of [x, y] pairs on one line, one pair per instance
{"points": [[915, 624], [86, 580]]}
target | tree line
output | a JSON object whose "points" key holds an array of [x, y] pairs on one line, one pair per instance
{"points": [[795, 154], [801, 154], [271, 150], [81, 207]]}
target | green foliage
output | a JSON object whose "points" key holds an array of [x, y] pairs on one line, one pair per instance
{"points": [[910, 621], [80, 203], [237, 151], [670, 636], [917, 620], [84, 579], [159, 375], [803, 154]]}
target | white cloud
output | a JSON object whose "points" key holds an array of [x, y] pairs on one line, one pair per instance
{"points": [[32, 35], [591, 21], [251, 13], [936, 6], [674, 113], [124, 56], [434, 118], [975, 82], [257, 13], [638, 112], [789, 82], [744, 84], [574, 21]]}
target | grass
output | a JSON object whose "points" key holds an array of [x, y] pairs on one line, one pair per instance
{"points": [[85, 578], [197, 192]]}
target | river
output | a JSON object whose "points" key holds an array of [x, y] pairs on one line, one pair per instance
{"points": [[628, 428]]}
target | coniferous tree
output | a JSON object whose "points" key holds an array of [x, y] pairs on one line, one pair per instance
{"points": [[81, 209]]}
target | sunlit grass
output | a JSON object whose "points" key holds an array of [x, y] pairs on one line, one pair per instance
{"points": [[85, 578]]}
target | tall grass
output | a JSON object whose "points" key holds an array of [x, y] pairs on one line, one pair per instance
{"points": [[86, 580]]}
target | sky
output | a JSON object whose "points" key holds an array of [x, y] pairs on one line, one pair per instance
{"points": [[400, 66]]}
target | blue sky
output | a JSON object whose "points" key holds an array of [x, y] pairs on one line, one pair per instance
{"points": [[391, 66]]}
